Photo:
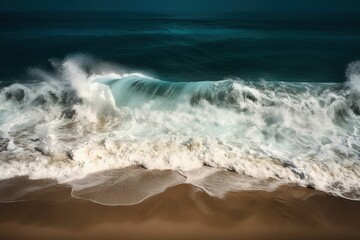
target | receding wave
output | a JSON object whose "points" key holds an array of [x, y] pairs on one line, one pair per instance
{"points": [[81, 119]]}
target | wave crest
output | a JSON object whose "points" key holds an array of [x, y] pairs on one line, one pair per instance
{"points": [[83, 119]]}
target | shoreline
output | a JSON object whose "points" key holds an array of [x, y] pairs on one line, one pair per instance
{"points": [[181, 212]]}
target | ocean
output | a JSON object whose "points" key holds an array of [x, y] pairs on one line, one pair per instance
{"points": [[269, 96]]}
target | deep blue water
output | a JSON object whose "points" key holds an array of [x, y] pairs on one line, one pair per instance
{"points": [[187, 47]]}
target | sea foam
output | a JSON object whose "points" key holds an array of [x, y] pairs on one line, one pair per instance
{"points": [[82, 119]]}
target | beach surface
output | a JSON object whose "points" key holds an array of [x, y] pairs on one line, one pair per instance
{"points": [[180, 212]]}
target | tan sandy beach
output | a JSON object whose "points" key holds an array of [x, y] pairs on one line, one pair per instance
{"points": [[183, 212]]}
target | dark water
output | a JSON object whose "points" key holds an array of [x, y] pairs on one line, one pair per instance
{"points": [[192, 47]]}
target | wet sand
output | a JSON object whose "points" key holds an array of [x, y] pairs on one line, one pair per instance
{"points": [[182, 212]]}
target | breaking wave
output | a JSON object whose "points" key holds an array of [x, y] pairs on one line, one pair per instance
{"points": [[81, 119]]}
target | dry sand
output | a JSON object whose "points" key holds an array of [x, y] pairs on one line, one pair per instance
{"points": [[182, 212]]}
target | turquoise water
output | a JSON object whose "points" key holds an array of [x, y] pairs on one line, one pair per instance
{"points": [[289, 47]]}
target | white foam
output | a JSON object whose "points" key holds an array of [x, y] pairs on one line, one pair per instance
{"points": [[353, 75], [76, 123]]}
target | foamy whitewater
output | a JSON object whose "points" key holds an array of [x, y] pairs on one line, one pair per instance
{"points": [[82, 119]]}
